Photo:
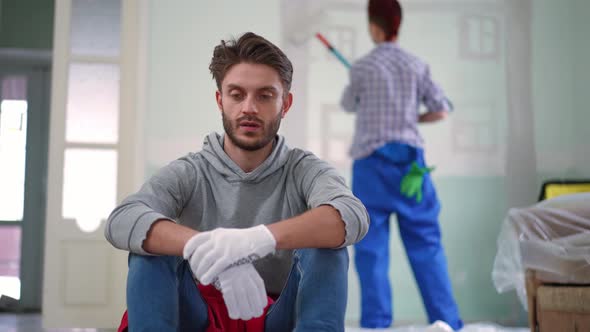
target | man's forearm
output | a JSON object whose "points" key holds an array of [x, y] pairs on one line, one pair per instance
{"points": [[348, 101], [321, 227], [166, 237], [432, 116]]}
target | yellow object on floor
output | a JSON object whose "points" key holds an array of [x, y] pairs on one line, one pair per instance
{"points": [[554, 188]]}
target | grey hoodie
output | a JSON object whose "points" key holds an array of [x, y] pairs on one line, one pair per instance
{"points": [[207, 190]]}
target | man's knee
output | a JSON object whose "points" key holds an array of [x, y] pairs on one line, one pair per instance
{"points": [[326, 259], [162, 263], [147, 271]]}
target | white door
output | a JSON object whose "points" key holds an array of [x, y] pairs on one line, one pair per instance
{"points": [[92, 161]]}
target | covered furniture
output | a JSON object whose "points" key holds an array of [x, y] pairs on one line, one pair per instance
{"points": [[557, 306], [544, 254]]}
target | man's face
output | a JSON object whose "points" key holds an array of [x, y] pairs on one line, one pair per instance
{"points": [[252, 102]]}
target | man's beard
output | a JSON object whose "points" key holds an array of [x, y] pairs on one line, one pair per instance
{"points": [[269, 132]]}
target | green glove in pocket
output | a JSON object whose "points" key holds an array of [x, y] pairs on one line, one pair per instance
{"points": [[411, 184]]}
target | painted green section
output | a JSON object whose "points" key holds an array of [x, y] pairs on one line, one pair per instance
{"points": [[26, 24], [560, 76], [581, 87], [473, 209]]}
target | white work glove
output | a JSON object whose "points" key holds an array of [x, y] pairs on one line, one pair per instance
{"points": [[243, 291], [210, 253]]}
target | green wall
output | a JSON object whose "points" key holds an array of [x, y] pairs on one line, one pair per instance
{"points": [[26, 24], [473, 209], [582, 86], [561, 76]]}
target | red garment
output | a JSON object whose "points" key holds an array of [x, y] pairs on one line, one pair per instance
{"points": [[219, 320], [123, 327]]}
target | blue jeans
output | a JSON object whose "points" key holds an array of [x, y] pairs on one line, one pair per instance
{"points": [[162, 295], [376, 182]]}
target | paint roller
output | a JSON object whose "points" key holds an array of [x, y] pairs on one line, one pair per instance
{"points": [[333, 50]]}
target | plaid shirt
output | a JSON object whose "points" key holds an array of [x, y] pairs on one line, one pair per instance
{"points": [[386, 89]]}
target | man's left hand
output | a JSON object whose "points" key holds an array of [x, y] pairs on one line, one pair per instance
{"points": [[210, 253], [243, 292]]}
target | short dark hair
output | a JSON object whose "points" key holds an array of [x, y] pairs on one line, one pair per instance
{"points": [[250, 48], [387, 15]]}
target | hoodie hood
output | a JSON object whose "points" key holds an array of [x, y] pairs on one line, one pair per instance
{"points": [[214, 154]]}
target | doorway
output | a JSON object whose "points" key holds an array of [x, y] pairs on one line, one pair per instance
{"points": [[24, 125]]}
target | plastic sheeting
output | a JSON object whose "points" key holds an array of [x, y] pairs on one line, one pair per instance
{"points": [[551, 237], [475, 327]]}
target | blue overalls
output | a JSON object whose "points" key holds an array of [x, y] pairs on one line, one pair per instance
{"points": [[376, 182]]}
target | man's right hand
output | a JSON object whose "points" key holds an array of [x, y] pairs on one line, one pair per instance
{"points": [[243, 291], [209, 253]]}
